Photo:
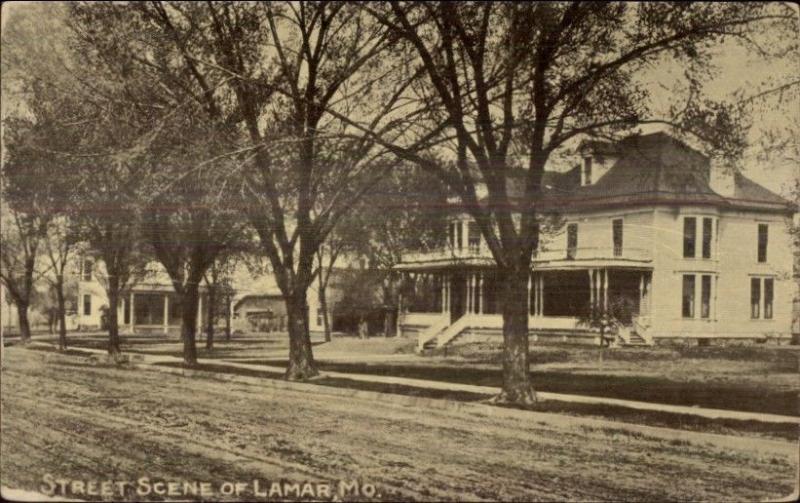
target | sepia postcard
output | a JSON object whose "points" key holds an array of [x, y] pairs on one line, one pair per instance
{"points": [[400, 251]]}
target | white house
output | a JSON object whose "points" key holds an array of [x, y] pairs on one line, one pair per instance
{"points": [[700, 252], [151, 304]]}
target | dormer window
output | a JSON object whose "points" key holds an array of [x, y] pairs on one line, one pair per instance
{"points": [[473, 236], [587, 170], [456, 235]]}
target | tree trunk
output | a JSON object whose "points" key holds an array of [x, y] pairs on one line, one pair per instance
{"points": [[517, 387], [212, 300], [62, 317], [390, 310], [390, 322], [323, 304], [113, 323], [24, 324], [301, 358], [189, 302], [228, 315]]}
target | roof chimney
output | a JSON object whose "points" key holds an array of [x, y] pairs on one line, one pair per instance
{"points": [[721, 179], [596, 157]]}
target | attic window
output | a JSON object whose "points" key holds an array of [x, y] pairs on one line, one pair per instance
{"points": [[587, 170]]}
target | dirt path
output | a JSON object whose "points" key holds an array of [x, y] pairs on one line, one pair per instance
{"points": [[75, 421]]}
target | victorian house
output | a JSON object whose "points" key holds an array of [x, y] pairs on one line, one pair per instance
{"points": [[698, 252]]}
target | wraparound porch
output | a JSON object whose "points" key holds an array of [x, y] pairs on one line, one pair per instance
{"points": [[441, 305]]}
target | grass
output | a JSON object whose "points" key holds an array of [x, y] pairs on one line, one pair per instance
{"points": [[786, 431], [756, 378], [640, 388], [783, 358]]}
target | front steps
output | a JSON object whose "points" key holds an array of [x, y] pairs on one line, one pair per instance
{"points": [[577, 336], [634, 340]]}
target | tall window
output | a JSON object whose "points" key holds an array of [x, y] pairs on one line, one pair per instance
{"points": [[459, 235], [87, 305], [572, 240], [587, 170], [473, 236], [705, 296], [617, 236], [755, 297], [769, 285], [763, 233], [707, 233], [689, 236], [87, 270], [687, 307]]}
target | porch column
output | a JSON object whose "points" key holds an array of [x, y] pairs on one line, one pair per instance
{"points": [[641, 293], [530, 280], [443, 288], [480, 294], [591, 289], [605, 289], [469, 293], [200, 313], [540, 297], [446, 293], [133, 314], [166, 313]]}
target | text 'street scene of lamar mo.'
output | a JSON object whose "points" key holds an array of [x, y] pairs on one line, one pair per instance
{"points": [[400, 251]]}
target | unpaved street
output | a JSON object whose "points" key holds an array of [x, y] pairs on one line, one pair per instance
{"points": [[67, 419]]}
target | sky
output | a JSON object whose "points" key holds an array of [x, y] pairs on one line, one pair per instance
{"points": [[739, 70]]}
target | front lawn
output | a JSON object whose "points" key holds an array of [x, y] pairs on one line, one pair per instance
{"points": [[627, 387], [785, 431]]}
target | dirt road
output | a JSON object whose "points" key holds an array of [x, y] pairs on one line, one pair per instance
{"points": [[70, 421]]}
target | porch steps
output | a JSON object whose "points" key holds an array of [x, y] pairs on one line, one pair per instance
{"points": [[635, 339]]}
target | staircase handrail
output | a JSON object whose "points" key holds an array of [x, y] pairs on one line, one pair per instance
{"points": [[431, 332]]}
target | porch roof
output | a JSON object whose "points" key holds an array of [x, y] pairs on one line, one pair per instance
{"points": [[538, 264]]}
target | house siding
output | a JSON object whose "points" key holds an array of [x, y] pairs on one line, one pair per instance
{"points": [[733, 263]]}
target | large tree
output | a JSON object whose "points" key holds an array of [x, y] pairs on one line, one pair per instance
{"points": [[190, 226], [515, 82], [60, 247], [270, 72], [87, 127], [22, 235], [220, 288]]}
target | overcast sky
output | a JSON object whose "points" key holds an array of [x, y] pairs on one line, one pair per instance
{"points": [[739, 70]]}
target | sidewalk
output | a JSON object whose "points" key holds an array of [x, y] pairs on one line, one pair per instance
{"points": [[488, 390]]}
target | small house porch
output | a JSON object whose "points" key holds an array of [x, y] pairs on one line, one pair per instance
{"points": [[155, 310]]}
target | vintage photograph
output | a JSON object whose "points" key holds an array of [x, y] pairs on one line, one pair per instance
{"points": [[400, 251]]}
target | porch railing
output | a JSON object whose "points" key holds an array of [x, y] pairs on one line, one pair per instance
{"points": [[547, 255]]}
